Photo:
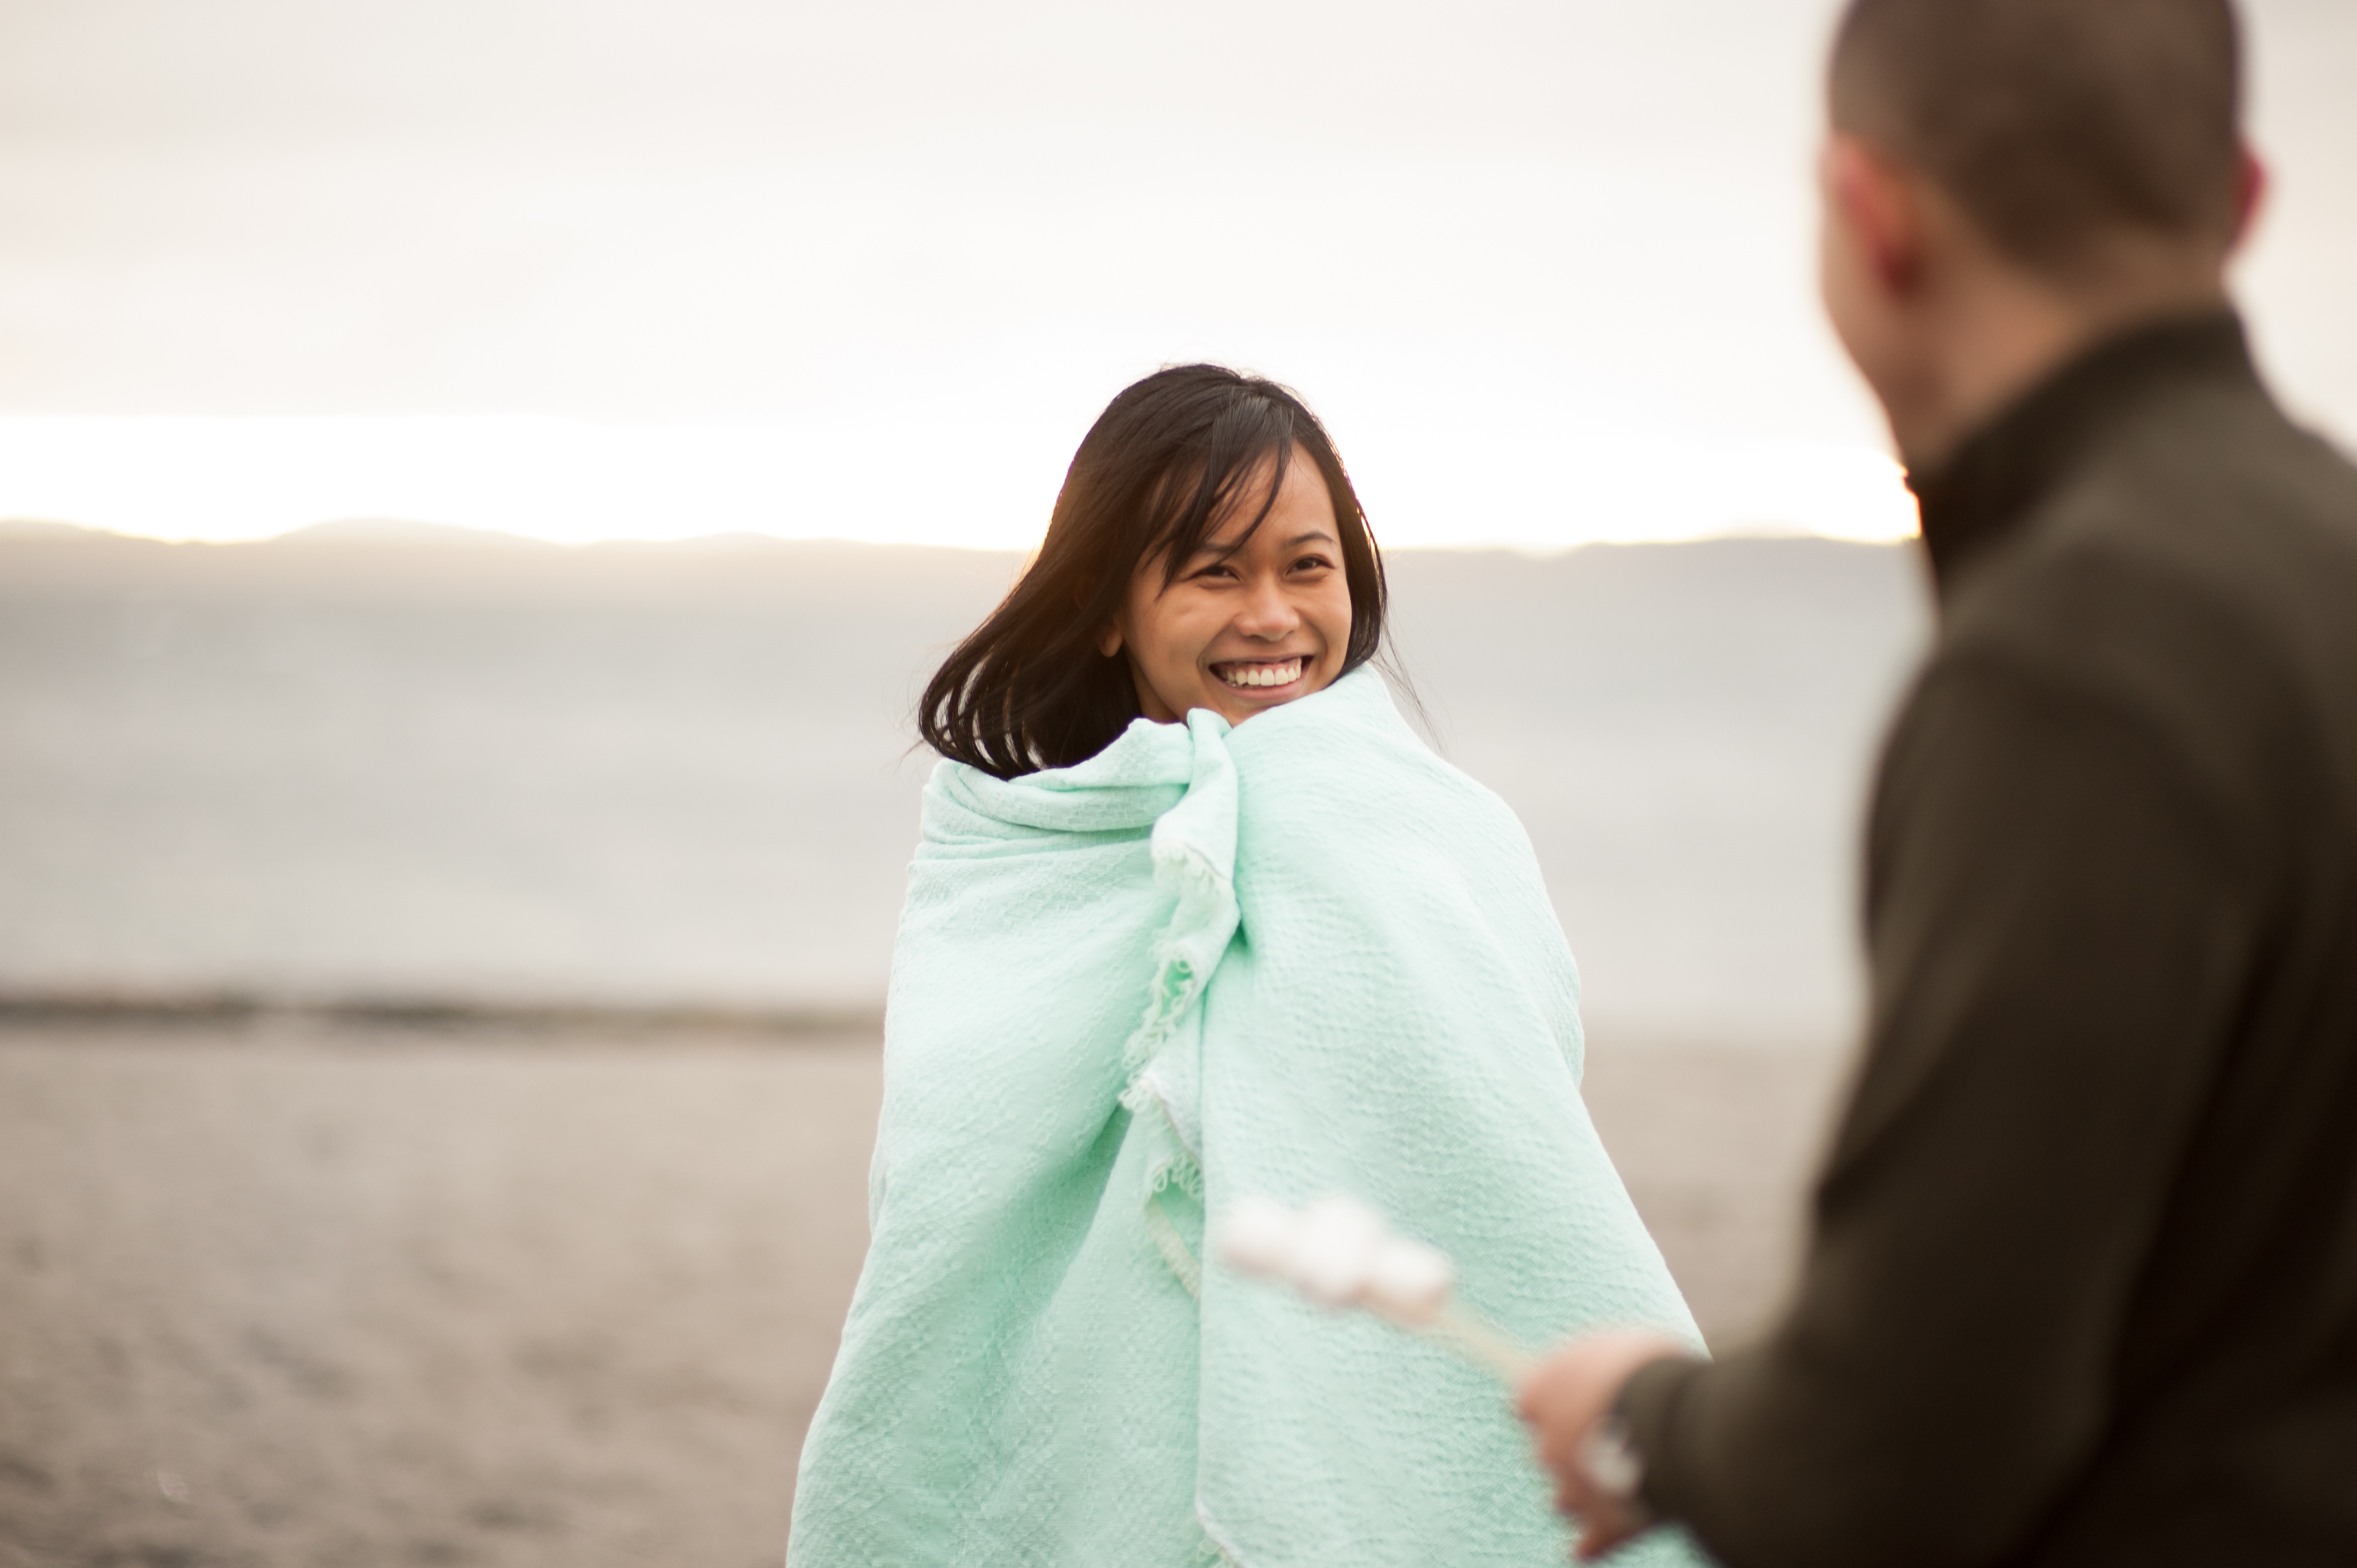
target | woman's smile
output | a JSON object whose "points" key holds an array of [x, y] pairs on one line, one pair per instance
{"points": [[1271, 677]]}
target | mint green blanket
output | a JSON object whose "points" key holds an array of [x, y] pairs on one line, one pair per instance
{"points": [[1349, 979]]}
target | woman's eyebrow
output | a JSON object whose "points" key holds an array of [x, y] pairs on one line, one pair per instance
{"points": [[1224, 551]]}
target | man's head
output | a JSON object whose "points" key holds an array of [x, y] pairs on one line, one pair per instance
{"points": [[2009, 177]]}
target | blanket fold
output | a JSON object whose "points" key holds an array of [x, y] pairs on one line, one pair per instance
{"points": [[1301, 956]]}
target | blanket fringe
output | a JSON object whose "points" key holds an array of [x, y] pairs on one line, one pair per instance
{"points": [[1173, 1248], [1205, 901], [1205, 913]]}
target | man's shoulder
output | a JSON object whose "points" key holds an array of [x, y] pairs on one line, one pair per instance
{"points": [[2212, 526], [2199, 575]]}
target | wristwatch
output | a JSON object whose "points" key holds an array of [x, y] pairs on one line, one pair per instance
{"points": [[1611, 1463]]}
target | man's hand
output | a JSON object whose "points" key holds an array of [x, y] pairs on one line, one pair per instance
{"points": [[1563, 1401]]}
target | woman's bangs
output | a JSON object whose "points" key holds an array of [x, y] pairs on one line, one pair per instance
{"points": [[1213, 489]]}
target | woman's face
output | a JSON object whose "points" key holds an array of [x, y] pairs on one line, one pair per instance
{"points": [[1241, 633]]}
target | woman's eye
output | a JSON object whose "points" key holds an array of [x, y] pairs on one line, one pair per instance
{"points": [[1217, 569], [1313, 564]]}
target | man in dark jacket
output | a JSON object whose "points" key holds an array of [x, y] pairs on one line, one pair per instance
{"points": [[2081, 1281]]}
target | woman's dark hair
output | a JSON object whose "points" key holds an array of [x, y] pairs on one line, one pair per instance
{"points": [[1163, 465]]}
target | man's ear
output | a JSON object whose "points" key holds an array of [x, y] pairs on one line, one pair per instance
{"points": [[2250, 195], [1873, 201]]}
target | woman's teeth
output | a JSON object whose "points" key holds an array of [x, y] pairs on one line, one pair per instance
{"points": [[1283, 673]]}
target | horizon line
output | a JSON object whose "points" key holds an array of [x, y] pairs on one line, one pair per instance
{"points": [[393, 533]]}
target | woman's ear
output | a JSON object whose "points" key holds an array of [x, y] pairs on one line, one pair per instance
{"points": [[1109, 639]]}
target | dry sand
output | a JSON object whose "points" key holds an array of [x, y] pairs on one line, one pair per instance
{"points": [[301, 1293]]}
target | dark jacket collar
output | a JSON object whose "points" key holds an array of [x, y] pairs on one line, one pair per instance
{"points": [[1993, 481]]}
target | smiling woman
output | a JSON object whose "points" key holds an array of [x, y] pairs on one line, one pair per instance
{"points": [[1196, 916], [1207, 551]]}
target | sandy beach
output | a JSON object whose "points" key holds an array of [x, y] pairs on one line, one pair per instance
{"points": [[302, 1292]]}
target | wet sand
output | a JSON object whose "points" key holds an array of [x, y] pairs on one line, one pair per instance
{"points": [[305, 1294]]}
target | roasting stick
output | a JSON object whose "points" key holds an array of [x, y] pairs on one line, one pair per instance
{"points": [[1340, 1254]]}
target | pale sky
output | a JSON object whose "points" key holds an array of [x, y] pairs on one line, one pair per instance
{"points": [[583, 269]]}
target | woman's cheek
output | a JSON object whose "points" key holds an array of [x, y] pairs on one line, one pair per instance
{"points": [[1335, 625]]}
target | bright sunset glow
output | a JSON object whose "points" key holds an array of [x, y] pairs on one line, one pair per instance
{"points": [[987, 487]]}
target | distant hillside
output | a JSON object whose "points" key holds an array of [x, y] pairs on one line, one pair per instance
{"points": [[385, 762]]}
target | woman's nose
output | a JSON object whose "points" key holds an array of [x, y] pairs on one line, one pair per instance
{"points": [[1269, 612]]}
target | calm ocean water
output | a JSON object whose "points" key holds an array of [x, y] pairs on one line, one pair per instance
{"points": [[684, 775]]}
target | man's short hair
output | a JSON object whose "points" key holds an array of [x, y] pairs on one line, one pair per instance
{"points": [[2054, 124]]}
